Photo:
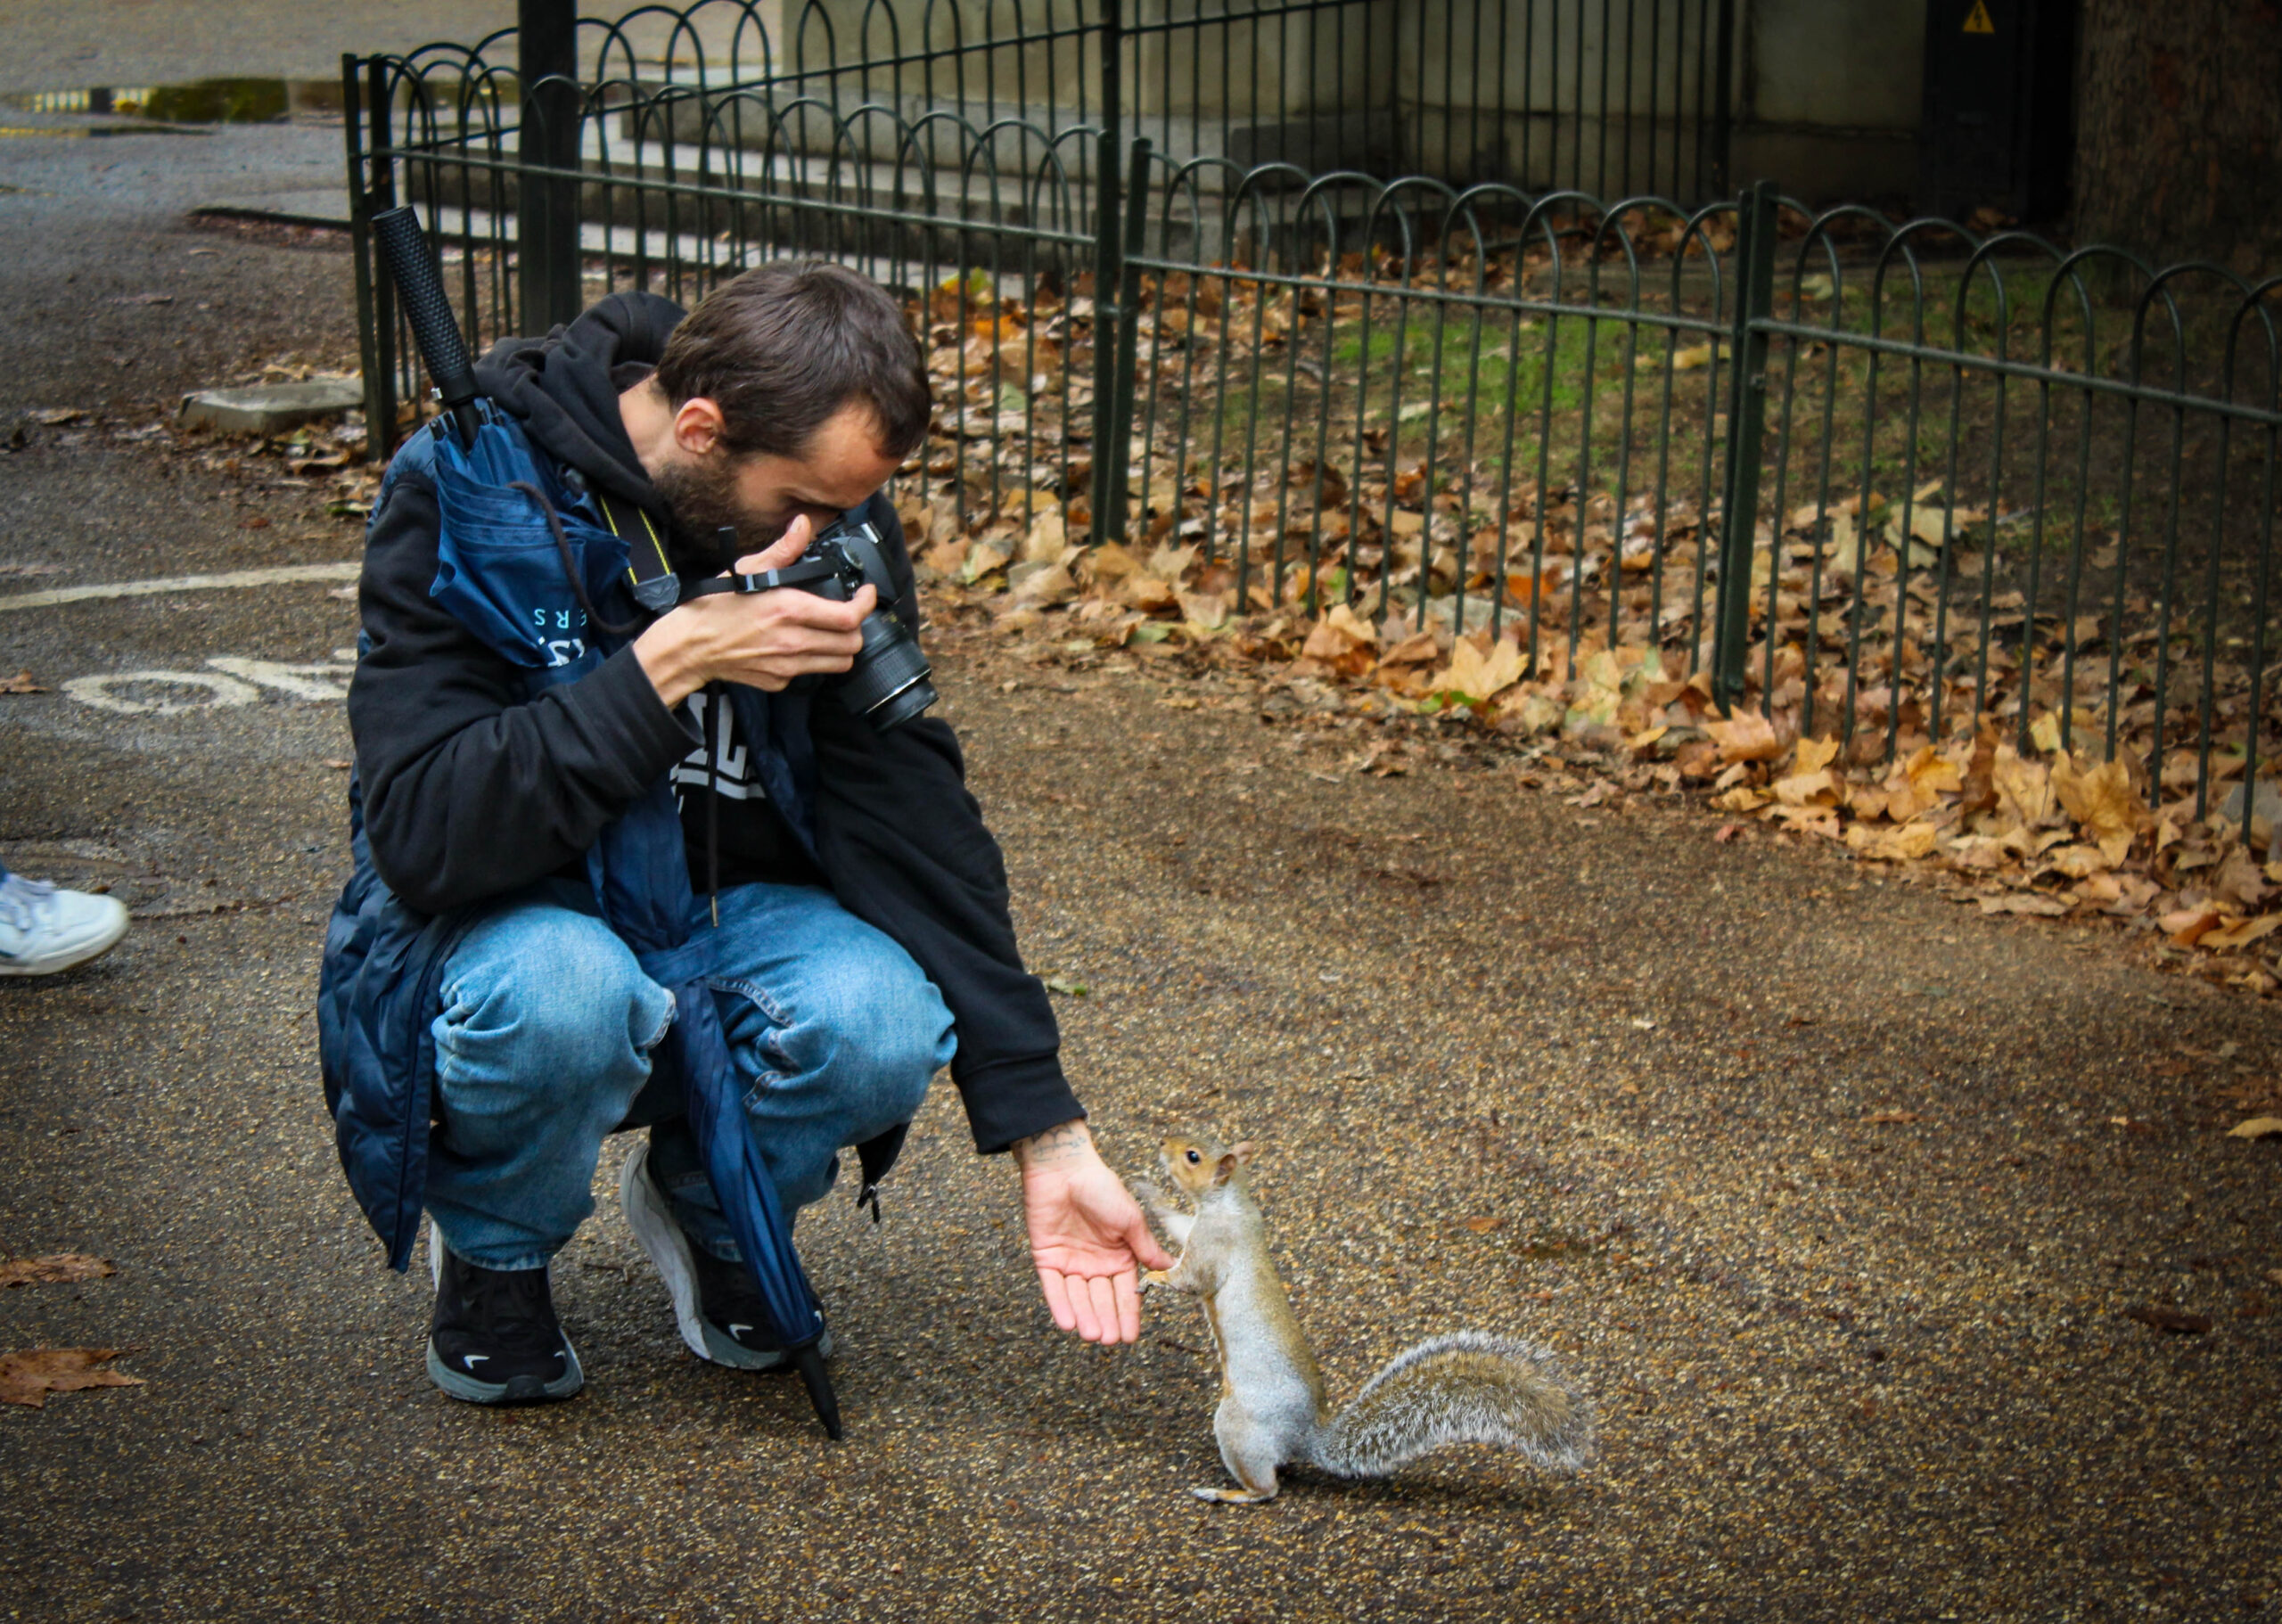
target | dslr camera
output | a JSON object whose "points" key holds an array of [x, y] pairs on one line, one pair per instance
{"points": [[889, 684]]}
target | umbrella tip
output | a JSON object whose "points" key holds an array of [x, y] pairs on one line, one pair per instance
{"points": [[809, 1360]]}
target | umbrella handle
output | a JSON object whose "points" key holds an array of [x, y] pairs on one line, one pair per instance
{"points": [[808, 1358]]}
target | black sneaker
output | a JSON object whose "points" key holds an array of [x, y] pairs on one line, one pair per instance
{"points": [[716, 1305], [495, 1339]]}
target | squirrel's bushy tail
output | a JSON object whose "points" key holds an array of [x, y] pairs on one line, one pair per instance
{"points": [[1466, 1388]]}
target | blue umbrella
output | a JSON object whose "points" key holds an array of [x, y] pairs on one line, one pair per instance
{"points": [[648, 900]]}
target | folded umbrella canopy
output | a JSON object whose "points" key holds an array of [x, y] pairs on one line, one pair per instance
{"points": [[647, 899]]}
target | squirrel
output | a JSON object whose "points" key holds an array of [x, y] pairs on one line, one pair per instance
{"points": [[1469, 1387]]}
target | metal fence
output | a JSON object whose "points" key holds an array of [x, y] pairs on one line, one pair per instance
{"points": [[1883, 480], [1540, 94], [1630, 96]]}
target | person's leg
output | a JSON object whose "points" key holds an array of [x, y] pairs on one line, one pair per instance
{"points": [[543, 1041], [839, 1031]]}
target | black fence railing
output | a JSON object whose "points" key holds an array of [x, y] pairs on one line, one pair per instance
{"points": [[1885, 479], [1540, 94], [1879, 482]]}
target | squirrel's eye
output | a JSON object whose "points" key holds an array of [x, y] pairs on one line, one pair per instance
{"points": [[1193, 1157]]}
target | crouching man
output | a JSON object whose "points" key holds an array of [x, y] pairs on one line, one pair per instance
{"points": [[483, 1027]]}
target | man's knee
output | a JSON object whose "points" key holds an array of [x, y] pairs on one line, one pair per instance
{"points": [[550, 996], [885, 1030]]}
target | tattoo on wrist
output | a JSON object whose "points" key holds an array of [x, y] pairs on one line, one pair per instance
{"points": [[1057, 1143]]}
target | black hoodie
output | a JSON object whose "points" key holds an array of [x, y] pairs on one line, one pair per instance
{"points": [[473, 790]]}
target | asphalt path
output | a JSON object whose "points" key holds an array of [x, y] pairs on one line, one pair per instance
{"points": [[1833, 1192], [116, 42]]}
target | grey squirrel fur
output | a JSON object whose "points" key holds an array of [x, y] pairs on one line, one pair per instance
{"points": [[1467, 1387]]}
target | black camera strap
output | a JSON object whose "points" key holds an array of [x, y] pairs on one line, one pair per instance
{"points": [[651, 577], [808, 572]]}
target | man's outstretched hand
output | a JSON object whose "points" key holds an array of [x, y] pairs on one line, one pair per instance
{"points": [[1086, 1236]]}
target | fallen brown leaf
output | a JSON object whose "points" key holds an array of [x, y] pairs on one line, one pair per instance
{"points": [[53, 1268], [1747, 736], [1931, 774], [1046, 584], [1043, 543], [1913, 839], [2169, 1319], [1979, 793], [2239, 932], [28, 1378], [1813, 755], [2017, 902], [2102, 801], [20, 683], [2023, 788], [984, 554], [1477, 677], [2257, 1128], [1483, 1226], [1890, 1117], [2187, 926], [2238, 880], [2079, 861], [1418, 648]]}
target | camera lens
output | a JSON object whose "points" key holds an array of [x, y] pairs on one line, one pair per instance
{"points": [[888, 682]]}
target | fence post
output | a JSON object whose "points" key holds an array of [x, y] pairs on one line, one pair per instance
{"points": [[1115, 452], [360, 210], [1754, 301], [546, 44], [1109, 271], [379, 383], [1113, 33]]}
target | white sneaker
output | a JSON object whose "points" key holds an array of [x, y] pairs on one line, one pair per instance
{"points": [[44, 930], [698, 1282]]}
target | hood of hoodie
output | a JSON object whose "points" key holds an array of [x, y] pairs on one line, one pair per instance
{"points": [[565, 387]]}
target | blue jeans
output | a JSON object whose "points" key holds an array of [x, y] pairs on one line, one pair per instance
{"points": [[545, 1036]]}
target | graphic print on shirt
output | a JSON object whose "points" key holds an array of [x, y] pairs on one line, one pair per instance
{"points": [[731, 769]]}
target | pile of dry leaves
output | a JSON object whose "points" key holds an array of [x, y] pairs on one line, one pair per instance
{"points": [[2048, 830]]}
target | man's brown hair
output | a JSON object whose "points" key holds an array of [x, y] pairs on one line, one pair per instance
{"points": [[783, 347]]}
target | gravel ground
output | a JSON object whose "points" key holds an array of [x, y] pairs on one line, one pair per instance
{"points": [[1581, 1074]]}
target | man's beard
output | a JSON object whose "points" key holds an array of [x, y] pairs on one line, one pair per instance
{"points": [[702, 498]]}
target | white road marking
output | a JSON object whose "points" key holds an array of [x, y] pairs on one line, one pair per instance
{"points": [[220, 690], [302, 682], [239, 687], [276, 575]]}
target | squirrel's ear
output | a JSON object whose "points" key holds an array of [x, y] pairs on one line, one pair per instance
{"points": [[1241, 1151], [1225, 1168]]}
